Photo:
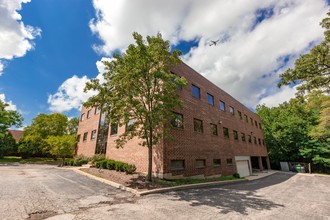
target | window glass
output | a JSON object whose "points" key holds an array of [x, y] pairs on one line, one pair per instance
{"points": [[93, 135], [240, 115], [243, 136], [235, 135], [200, 163], [97, 110], [177, 164], [255, 140], [222, 106], [251, 121], [214, 129], [89, 113], [229, 161], [85, 136], [196, 92], [177, 120], [114, 129], [259, 141], [260, 126], [256, 123], [130, 124], [78, 138], [246, 118], [210, 99], [225, 132], [198, 125], [231, 110], [249, 137], [82, 117], [216, 162]]}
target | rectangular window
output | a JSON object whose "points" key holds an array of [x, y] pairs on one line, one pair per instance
{"points": [[256, 123], [235, 135], [198, 125], [130, 124], [174, 79], [214, 129], [254, 140], [85, 136], [200, 163], [229, 161], [177, 164], [250, 140], [222, 106], [263, 142], [216, 162], [210, 99], [114, 129], [93, 135], [260, 126], [196, 91], [89, 113], [243, 137], [225, 132], [246, 118], [78, 138], [82, 117], [97, 110], [231, 110], [259, 141], [240, 115], [177, 120], [251, 120]]}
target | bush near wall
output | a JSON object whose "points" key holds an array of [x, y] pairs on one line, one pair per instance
{"points": [[116, 165]]}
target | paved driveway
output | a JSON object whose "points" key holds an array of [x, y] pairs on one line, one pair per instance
{"points": [[44, 191]]}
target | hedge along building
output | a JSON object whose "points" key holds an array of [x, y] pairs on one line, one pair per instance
{"points": [[213, 134]]}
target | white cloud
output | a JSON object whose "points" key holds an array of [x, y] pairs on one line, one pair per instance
{"points": [[71, 95], [251, 54], [281, 95], [15, 37], [10, 106]]}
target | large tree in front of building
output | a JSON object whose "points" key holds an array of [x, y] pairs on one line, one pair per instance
{"points": [[140, 91], [8, 118], [34, 140]]}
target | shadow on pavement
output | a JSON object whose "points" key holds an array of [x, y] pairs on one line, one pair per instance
{"points": [[235, 197]]}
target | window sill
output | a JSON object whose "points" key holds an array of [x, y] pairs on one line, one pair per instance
{"points": [[177, 169], [200, 167]]}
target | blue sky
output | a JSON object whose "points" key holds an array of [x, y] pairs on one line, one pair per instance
{"points": [[50, 48]]}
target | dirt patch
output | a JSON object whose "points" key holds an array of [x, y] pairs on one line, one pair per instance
{"points": [[136, 181], [38, 215]]}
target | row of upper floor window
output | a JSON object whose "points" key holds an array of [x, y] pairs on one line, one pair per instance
{"points": [[89, 113], [196, 92], [199, 163], [177, 122]]}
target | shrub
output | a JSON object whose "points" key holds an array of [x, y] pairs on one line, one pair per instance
{"points": [[130, 168], [97, 157], [236, 175], [111, 164], [98, 164]]}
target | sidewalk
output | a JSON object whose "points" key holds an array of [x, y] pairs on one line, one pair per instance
{"points": [[261, 174]]}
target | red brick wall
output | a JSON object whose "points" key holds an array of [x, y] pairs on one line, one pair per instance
{"points": [[87, 147]]}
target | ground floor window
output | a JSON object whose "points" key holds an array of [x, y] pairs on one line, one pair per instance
{"points": [[216, 162], [229, 161], [200, 163], [177, 164]]}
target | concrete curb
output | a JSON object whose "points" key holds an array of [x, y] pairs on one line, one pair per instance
{"points": [[161, 190]]}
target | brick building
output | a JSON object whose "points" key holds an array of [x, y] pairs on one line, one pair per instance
{"points": [[214, 134]]}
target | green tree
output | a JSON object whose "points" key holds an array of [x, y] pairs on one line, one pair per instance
{"points": [[72, 126], [8, 118], [62, 146], [7, 145], [140, 91], [33, 142], [312, 70]]}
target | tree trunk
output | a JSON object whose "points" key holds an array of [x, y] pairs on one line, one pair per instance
{"points": [[149, 179]]}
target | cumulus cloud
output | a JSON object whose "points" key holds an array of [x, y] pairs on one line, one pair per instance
{"points": [[71, 95], [10, 106], [15, 37], [284, 94], [258, 40]]}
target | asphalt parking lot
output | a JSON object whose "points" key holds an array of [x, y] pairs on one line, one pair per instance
{"points": [[41, 192]]}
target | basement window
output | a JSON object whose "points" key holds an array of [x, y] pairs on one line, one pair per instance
{"points": [[200, 163], [177, 164], [216, 162]]}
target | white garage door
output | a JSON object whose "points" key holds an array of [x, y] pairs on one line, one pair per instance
{"points": [[243, 168]]}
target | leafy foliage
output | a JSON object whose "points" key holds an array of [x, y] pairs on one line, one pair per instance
{"points": [[139, 88], [62, 146], [8, 118], [7, 145], [312, 70], [72, 126]]}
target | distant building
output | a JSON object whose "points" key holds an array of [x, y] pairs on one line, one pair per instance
{"points": [[17, 134], [214, 135]]}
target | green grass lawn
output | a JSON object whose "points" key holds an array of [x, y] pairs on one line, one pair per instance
{"points": [[39, 160], [179, 182]]}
